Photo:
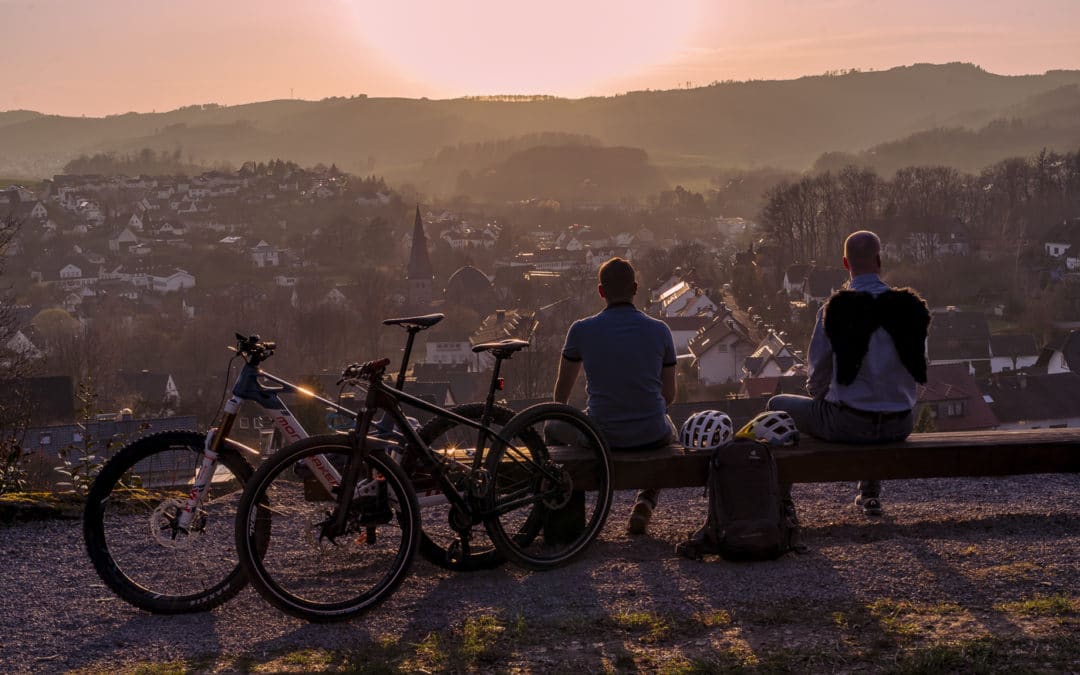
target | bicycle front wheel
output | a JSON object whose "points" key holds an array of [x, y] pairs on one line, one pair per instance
{"points": [[547, 503], [313, 578], [132, 532]]}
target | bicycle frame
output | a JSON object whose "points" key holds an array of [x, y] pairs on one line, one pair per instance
{"points": [[248, 387], [381, 396]]}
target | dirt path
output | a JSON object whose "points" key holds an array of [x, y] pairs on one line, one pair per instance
{"points": [[957, 569]]}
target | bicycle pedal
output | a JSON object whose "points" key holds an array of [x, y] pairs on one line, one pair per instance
{"points": [[368, 537]]}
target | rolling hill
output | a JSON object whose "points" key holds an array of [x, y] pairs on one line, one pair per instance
{"points": [[788, 123]]}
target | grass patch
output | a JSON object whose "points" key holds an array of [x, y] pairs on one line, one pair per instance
{"points": [[1041, 605], [170, 668], [990, 654], [907, 618], [308, 658], [479, 638], [31, 506], [1008, 571], [654, 626], [715, 619], [983, 655], [430, 654], [886, 634]]}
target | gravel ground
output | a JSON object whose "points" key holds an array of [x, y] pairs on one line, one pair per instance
{"points": [[974, 542]]}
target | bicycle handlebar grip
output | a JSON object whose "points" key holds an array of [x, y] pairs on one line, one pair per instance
{"points": [[372, 367]]}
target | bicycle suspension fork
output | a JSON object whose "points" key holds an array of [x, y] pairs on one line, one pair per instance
{"points": [[336, 526], [215, 441]]}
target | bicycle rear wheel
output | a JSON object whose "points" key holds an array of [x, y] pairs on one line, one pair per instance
{"points": [[544, 507], [313, 578], [442, 540], [131, 531]]}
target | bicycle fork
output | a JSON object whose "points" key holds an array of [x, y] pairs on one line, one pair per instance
{"points": [[215, 439]]}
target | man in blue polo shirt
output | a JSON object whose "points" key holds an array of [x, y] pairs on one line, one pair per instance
{"points": [[629, 362]]}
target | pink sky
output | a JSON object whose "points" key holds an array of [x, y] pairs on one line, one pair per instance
{"points": [[96, 57]]}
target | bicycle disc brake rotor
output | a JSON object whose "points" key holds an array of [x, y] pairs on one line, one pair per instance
{"points": [[556, 494], [165, 528]]}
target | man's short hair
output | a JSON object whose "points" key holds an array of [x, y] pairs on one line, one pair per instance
{"points": [[862, 248], [617, 279]]}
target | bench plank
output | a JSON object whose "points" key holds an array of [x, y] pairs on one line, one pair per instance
{"points": [[936, 455]]}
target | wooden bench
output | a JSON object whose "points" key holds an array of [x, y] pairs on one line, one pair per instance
{"points": [[937, 455]]}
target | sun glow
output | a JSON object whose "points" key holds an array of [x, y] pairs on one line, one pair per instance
{"points": [[568, 47]]}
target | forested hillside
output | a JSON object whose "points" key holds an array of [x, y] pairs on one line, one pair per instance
{"points": [[787, 124]]}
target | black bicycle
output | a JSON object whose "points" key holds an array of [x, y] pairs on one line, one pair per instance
{"points": [[159, 518], [341, 541]]}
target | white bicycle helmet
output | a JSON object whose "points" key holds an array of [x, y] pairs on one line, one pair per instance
{"points": [[774, 427], [707, 430]]}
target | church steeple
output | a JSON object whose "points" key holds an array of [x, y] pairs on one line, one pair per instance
{"points": [[419, 273]]}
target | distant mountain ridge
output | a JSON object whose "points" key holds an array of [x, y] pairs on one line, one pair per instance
{"points": [[784, 123]]}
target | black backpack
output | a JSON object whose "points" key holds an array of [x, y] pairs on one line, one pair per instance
{"points": [[747, 519]]}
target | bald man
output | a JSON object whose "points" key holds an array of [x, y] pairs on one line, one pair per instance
{"points": [[866, 355]]}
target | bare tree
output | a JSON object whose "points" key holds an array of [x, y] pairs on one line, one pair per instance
{"points": [[16, 364]]}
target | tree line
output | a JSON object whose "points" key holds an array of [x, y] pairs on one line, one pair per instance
{"points": [[1010, 201], [143, 162]]}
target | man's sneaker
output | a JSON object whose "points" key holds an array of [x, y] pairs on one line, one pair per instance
{"points": [[639, 518], [871, 506]]}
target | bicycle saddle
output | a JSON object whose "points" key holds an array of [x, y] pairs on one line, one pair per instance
{"points": [[507, 346], [418, 322]]}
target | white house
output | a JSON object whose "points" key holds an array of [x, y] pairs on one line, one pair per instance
{"points": [[171, 283], [1061, 239], [720, 350], [1062, 356], [449, 350], [669, 283], [1056, 247], [69, 277], [794, 278], [264, 255], [772, 358], [39, 212], [135, 222], [1012, 352], [19, 344], [682, 299], [594, 258], [684, 328], [123, 241]]}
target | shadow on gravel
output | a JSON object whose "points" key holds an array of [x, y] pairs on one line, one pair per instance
{"points": [[973, 530]]}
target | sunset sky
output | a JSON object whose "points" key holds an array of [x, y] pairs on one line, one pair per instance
{"points": [[97, 57]]}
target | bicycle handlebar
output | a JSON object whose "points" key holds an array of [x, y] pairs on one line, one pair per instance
{"points": [[254, 348], [369, 370]]}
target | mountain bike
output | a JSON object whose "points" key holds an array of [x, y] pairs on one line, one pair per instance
{"points": [[158, 521], [342, 540]]}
